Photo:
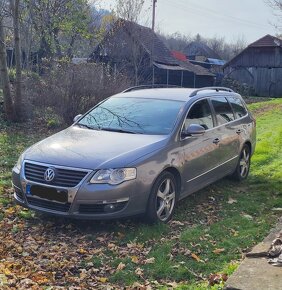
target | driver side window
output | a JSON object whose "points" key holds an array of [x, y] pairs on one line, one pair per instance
{"points": [[200, 114]]}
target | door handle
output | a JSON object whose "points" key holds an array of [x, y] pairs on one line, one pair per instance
{"points": [[216, 141], [239, 131]]}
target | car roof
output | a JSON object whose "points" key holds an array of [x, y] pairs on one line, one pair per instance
{"points": [[175, 94]]}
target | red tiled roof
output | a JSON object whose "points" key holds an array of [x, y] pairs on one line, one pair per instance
{"points": [[179, 55], [267, 41]]}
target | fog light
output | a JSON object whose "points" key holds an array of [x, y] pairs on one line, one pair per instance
{"points": [[109, 208]]}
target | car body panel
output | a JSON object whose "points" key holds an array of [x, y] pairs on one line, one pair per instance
{"points": [[197, 160]]}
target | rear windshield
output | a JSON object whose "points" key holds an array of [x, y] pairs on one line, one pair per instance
{"points": [[135, 115]]}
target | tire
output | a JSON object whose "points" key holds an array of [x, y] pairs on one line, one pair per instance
{"points": [[243, 166], [163, 198]]}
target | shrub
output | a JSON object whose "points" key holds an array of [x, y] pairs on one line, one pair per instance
{"points": [[71, 89]]}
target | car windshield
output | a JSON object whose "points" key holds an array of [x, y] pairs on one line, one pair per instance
{"points": [[133, 115]]}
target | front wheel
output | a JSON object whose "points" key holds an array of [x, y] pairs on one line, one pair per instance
{"points": [[162, 199], [243, 166]]}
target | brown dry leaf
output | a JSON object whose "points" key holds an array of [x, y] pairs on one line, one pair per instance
{"points": [[139, 272], [42, 278], [138, 286], [231, 200], [135, 259], [218, 251], [120, 267], [82, 251], [172, 284], [10, 211], [150, 261], [234, 232], [100, 239], [177, 223], [195, 257], [102, 279]]}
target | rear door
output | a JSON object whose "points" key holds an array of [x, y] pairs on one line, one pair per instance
{"points": [[227, 133]]}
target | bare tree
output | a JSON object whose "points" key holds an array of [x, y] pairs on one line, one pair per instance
{"points": [[276, 5], [15, 5], [8, 103], [129, 9]]}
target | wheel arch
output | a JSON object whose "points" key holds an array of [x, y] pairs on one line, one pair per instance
{"points": [[175, 172], [249, 144]]}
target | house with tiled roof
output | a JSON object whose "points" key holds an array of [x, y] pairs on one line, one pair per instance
{"points": [[259, 66], [138, 52]]}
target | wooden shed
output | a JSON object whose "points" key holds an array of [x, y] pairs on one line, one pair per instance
{"points": [[137, 51], [259, 66]]}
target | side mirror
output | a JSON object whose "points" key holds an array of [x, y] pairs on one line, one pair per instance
{"points": [[193, 130], [77, 117]]}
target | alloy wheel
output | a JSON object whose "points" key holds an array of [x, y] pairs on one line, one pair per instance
{"points": [[244, 162], [165, 199]]}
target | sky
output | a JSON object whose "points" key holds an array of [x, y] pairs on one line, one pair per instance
{"points": [[231, 19]]}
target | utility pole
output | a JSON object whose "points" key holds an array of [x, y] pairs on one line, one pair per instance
{"points": [[153, 29], [154, 15]]}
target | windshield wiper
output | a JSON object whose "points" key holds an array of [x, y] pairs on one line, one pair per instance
{"points": [[119, 130], [86, 126]]}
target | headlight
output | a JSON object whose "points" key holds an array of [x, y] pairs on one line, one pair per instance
{"points": [[113, 176], [19, 163]]}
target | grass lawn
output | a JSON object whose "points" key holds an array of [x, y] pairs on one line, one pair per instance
{"points": [[209, 234]]}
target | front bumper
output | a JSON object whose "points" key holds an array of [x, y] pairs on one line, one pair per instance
{"points": [[85, 201]]}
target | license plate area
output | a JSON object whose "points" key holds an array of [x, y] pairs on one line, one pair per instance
{"points": [[48, 193]]}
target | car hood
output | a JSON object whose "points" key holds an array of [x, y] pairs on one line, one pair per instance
{"points": [[92, 149]]}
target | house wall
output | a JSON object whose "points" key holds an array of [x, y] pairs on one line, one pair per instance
{"points": [[259, 57], [267, 82], [189, 79]]}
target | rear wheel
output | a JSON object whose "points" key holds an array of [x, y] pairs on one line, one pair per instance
{"points": [[163, 198], [243, 166]]}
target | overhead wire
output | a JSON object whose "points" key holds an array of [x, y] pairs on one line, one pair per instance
{"points": [[180, 5]]}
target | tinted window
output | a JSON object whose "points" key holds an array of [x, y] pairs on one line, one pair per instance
{"points": [[147, 116], [200, 113], [223, 111], [238, 107]]}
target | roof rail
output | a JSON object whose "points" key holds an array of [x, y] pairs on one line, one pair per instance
{"points": [[143, 87], [193, 94]]}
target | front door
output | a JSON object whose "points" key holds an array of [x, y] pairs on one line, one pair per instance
{"points": [[200, 154]]}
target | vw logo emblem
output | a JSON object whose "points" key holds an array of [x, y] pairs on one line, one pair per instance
{"points": [[49, 174]]}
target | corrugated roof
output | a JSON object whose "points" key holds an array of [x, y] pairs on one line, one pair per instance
{"points": [[216, 61], [267, 41]]}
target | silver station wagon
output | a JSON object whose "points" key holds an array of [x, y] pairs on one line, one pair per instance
{"points": [[138, 152]]}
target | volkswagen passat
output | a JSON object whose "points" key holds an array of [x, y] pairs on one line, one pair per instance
{"points": [[138, 152]]}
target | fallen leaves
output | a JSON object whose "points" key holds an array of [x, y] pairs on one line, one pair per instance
{"points": [[218, 251], [217, 279], [120, 266], [231, 200], [195, 257]]}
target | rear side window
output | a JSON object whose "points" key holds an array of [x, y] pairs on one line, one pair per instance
{"points": [[223, 110], [238, 107], [200, 114]]}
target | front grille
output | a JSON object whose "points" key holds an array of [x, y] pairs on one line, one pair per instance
{"points": [[100, 208], [19, 195], [63, 177], [63, 207]]}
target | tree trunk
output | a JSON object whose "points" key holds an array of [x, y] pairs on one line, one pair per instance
{"points": [[18, 83], [8, 103]]}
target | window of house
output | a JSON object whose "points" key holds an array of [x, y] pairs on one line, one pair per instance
{"points": [[223, 110], [200, 114], [238, 107]]}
